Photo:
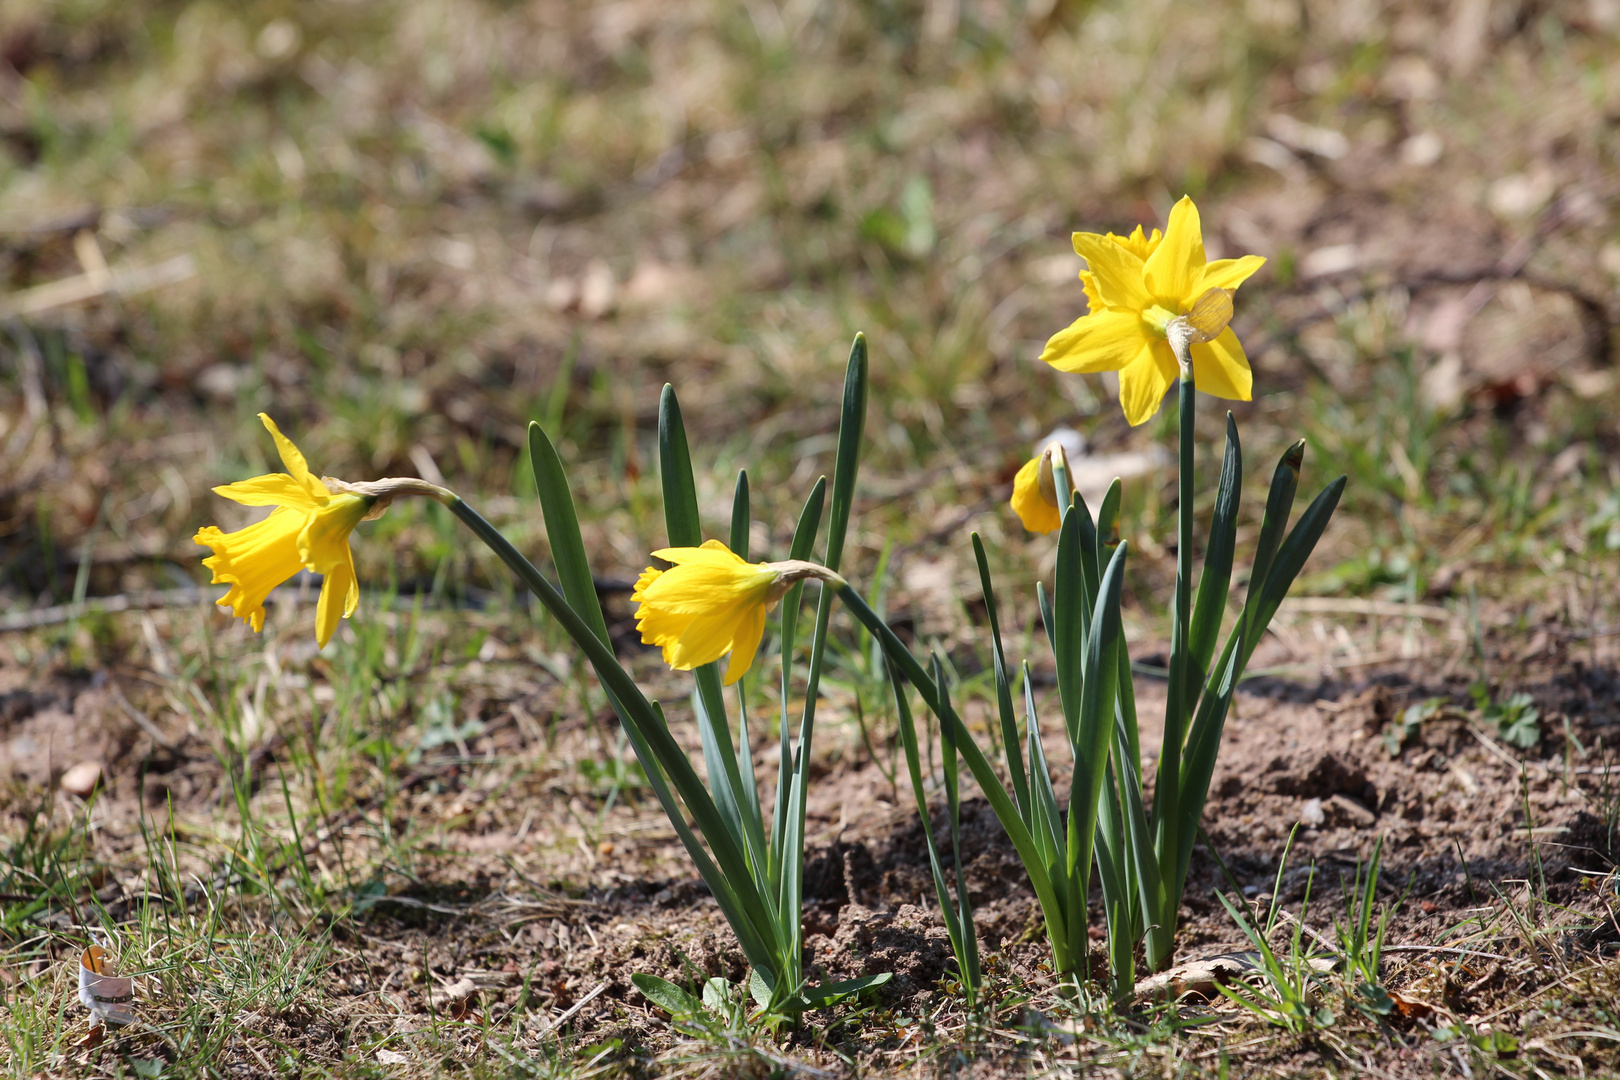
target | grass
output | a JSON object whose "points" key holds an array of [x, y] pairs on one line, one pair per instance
{"points": [[415, 226]]}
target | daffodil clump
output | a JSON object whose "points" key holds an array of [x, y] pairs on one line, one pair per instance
{"points": [[1159, 315]]}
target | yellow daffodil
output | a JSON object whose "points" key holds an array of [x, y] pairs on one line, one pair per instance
{"points": [[1136, 286], [1034, 497], [309, 529], [713, 602]]}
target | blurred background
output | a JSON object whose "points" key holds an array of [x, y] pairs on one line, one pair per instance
{"points": [[405, 228]]}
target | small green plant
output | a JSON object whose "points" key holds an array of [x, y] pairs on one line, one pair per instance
{"points": [[1516, 718], [1399, 733], [1292, 996], [1361, 944], [1501, 1044], [721, 1013]]}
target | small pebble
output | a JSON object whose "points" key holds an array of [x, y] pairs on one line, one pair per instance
{"points": [[1311, 814], [83, 779]]}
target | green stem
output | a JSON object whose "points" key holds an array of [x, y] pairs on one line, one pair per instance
{"points": [[1167, 787]]}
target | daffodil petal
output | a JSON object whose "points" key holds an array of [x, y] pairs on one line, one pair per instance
{"points": [[709, 637], [1105, 341], [1116, 271], [294, 461], [1229, 273], [750, 630], [340, 595], [1173, 271], [324, 542], [272, 489], [1094, 300], [1221, 368], [712, 553], [1144, 381], [1038, 515]]}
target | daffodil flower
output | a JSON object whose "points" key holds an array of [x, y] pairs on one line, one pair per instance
{"points": [[1137, 286], [308, 530], [1035, 497], [711, 602]]}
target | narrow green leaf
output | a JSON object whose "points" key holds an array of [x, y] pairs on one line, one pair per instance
{"points": [[1004, 702], [675, 474], [953, 810], [1069, 649], [686, 530], [740, 516], [1095, 728], [1215, 581], [1108, 520], [1279, 502], [1048, 621], [1044, 799], [1090, 567], [851, 424], [830, 994], [740, 522], [1291, 558], [562, 532], [1048, 827]]}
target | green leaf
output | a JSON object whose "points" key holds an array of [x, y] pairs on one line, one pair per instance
{"points": [[830, 994], [740, 516], [644, 724], [908, 743], [675, 474], [562, 530], [686, 530], [1279, 502], [759, 988], [1004, 702], [667, 996], [1095, 728], [851, 425], [1073, 626], [1215, 581]]}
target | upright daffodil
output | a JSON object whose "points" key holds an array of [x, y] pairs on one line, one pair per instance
{"points": [[1136, 285], [309, 529], [713, 602], [1035, 495]]}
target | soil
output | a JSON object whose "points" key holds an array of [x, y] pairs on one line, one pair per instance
{"points": [[520, 902]]}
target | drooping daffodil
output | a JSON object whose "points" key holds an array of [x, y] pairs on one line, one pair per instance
{"points": [[711, 602], [1035, 494], [1137, 286], [308, 530]]}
